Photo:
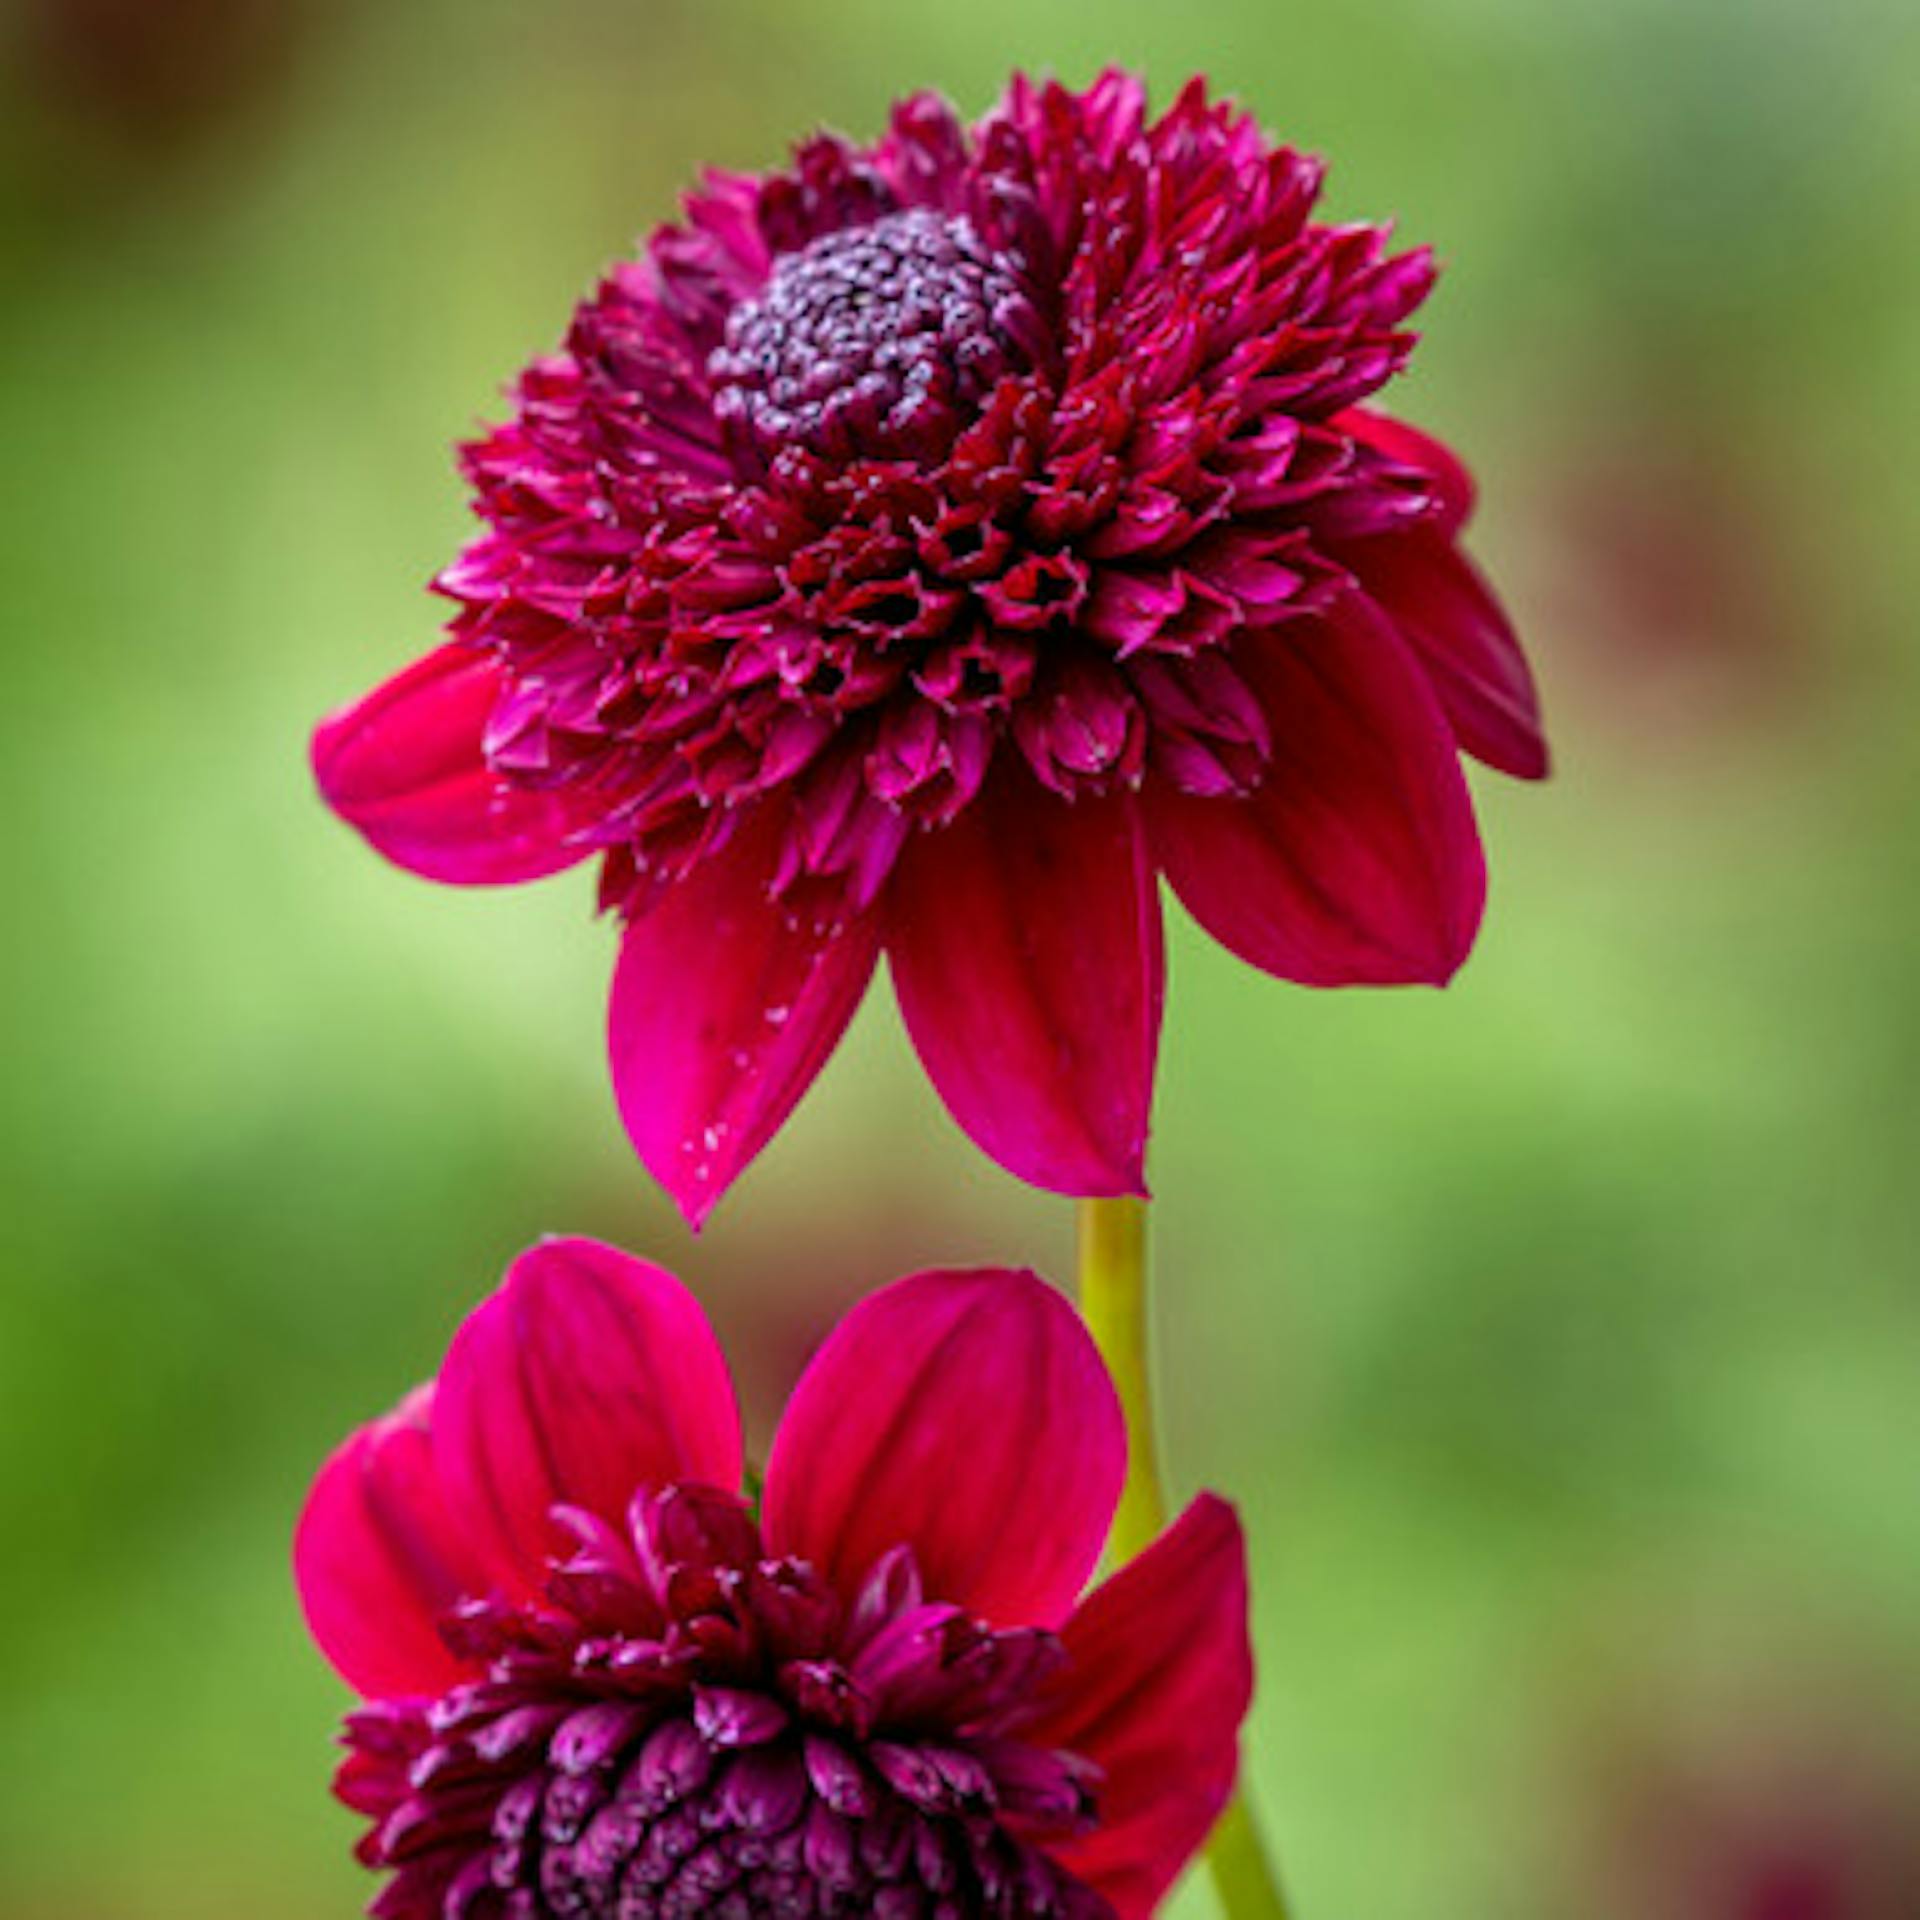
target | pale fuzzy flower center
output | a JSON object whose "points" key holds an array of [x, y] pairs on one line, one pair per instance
{"points": [[876, 340]]}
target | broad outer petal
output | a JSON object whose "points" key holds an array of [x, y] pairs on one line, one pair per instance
{"points": [[1453, 489], [379, 1558], [1356, 860], [1443, 608], [967, 1415], [404, 767], [587, 1376], [1026, 949], [1159, 1677], [725, 1007]]}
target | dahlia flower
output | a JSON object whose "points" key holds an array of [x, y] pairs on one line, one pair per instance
{"points": [[597, 1681], [922, 550]]}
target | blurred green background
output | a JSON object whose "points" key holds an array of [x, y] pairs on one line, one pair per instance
{"points": [[1560, 1334]]}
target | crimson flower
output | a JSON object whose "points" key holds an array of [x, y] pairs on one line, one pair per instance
{"points": [[598, 1684], [920, 551]]}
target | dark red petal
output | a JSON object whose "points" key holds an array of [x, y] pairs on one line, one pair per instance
{"points": [[1356, 861], [726, 1004], [587, 1376], [967, 1416], [1433, 593], [1453, 488], [1158, 1680], [1026, 950], [404, 767], [379, 1558]]}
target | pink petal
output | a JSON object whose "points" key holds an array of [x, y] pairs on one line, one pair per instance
{"points": [[404, 767], [1026, 950], [587, 1376], [1445, 611], [1159, 1678], [1356, 860], [379, 1559], [1452, 484], [725, 1006], [968, 1416]]}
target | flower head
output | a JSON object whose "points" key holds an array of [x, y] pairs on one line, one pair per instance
{"points": [[598, 1683], [920, 551]]}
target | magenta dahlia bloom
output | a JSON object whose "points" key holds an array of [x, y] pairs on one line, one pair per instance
{"points": [[599, 1683], [920, 551]]}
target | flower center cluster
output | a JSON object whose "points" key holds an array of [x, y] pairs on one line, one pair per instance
{"points": [[949, 493], [874, 340], [687, 1727]]}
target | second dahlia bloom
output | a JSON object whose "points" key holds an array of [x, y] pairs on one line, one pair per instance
{"points": [[599, 1684], [923, 549]]}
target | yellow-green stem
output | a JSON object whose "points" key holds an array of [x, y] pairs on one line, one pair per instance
{"points": [[1114, 1301], [1243, 1877]]}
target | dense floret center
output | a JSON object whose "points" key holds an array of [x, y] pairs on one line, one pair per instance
{"points": [[688, 1727], [877, 339]]}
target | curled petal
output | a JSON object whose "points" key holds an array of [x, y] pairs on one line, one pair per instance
{"points": [[1025, 943], [1356, 861], [1445, 612], [1158, 1678], [404, 766], [379, 1558], [967, 1416], [588, 1377], [726, 1003], [1450, 482]]}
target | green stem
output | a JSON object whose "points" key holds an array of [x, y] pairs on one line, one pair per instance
{"points": [[1114, 1302], [1243, 1877]]}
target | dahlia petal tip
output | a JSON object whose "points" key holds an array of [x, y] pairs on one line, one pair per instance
{"points": [[724, 1008], [1027, 955], [585, 1375], [377, 1557], [1162, 1726], [1356, 861], [1447, 614], [405, 767], [887, 1440]]}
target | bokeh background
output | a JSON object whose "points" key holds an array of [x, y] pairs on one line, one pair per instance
{"points": [[1559, 1334]]}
